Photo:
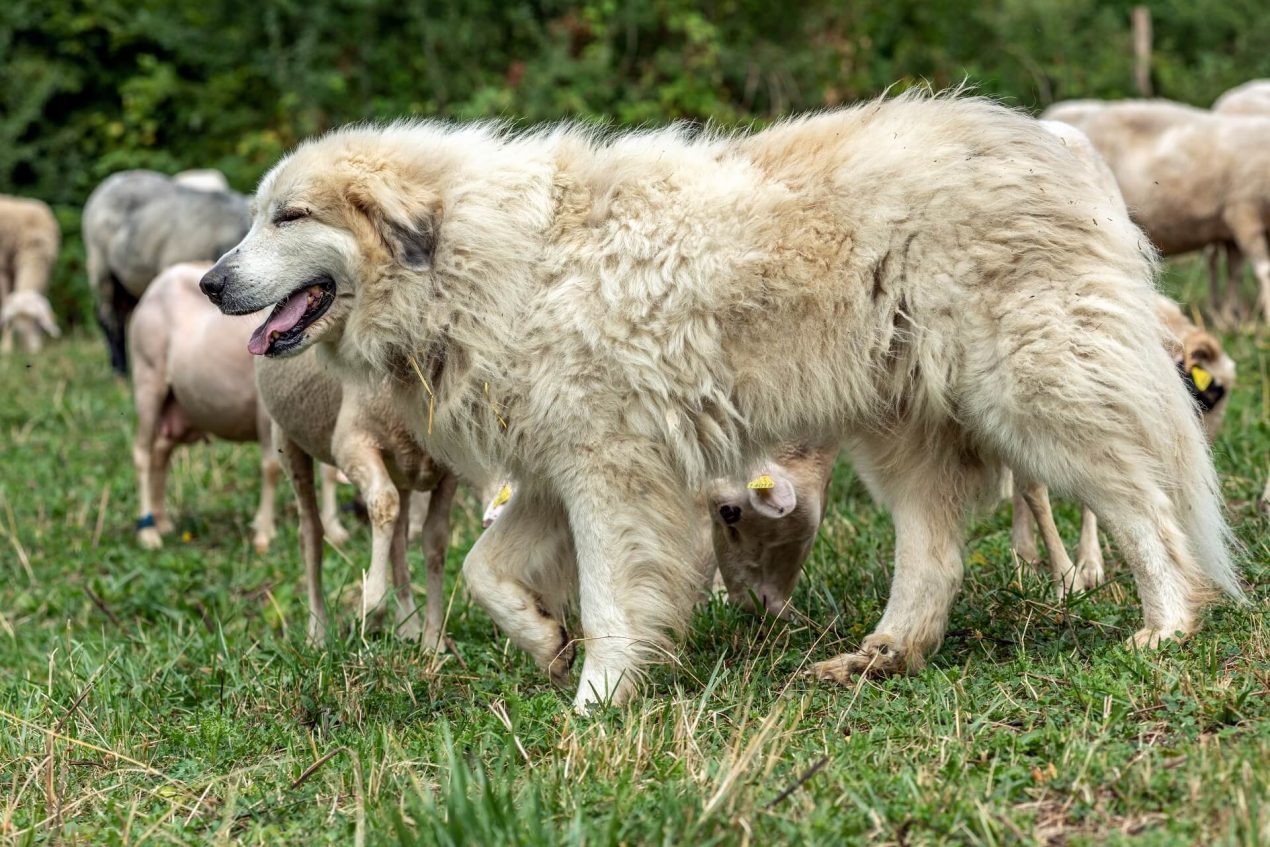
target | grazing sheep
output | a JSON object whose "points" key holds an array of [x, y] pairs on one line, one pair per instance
{"points": [[1251, 98], [763, 531], [1191, 178], [1209, 376], [192, 378], [356, 427], [136, 223], [618, 319], [29, 238]]}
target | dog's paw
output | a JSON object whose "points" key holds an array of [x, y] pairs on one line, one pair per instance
{"points": [[1148, 638], [879, 655]]}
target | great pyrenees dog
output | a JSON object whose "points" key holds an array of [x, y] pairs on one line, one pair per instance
{"points": [[617, 319]]}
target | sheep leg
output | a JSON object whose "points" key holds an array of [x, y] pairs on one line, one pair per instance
{"points": [[160, 458], [148, 397], [1090, 570], [299, 466], [1022, 538], [6, 330], [408, 625], [335, 531], [435, 533], [270, 468], [1061, 569], [1246, 222], [365, 467]]}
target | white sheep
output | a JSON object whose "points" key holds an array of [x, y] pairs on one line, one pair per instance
{"points": [[1191, 178], [1251, 98], [355, 427], [29, 239], [192, 378]]}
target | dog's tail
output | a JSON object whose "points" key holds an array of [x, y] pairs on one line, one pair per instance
{"points": [[1198, 503]]}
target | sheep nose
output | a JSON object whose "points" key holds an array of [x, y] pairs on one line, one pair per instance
{"points": [[213, 285], [730, 514]]}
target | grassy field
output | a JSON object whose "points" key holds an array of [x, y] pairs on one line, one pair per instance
{"points": [[170, 697]]}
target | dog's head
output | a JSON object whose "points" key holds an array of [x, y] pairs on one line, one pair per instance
{"points": [[334, 223]]}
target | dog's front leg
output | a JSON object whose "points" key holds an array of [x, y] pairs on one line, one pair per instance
{"points": [[928, 492], [634, 528]]}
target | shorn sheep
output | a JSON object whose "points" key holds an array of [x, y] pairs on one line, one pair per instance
{"points": [[1251, 98], [618, 319], [356, 428], [136, 223], [756, 533], [29, 238], [192, 378], [763, 529], [1191, 179]]}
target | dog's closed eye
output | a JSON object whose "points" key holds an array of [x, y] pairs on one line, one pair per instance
{"points": [[288, 215]]}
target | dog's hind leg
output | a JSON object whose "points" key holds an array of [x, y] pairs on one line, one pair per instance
{"points": [[928, 481], [522, 571]]}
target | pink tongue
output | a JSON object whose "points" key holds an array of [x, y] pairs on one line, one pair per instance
{"points": [[280, 320]]}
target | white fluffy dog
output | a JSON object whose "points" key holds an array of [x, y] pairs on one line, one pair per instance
{"points": [[617, 319]]}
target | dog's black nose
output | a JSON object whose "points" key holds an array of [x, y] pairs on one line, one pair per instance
{"points": [[730, 514], [213, 285]]}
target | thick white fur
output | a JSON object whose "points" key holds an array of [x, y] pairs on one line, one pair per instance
{"points": [[1251, 98], [616, 320]]}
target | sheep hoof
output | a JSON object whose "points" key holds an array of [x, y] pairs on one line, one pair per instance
{"points": [[562, 662], [150, 538], [261, 543], [336, 534]]}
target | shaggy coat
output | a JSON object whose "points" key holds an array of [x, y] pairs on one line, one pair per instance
{"points": [[1191, 178], [136, 223], [29, 238], [617, 320]]}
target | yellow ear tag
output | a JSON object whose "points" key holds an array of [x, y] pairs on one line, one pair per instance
{"points": [[1202, 378], [504, 494], [761, 482]]}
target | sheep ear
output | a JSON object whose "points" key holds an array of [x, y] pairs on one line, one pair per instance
{"points": [[775, 500]]}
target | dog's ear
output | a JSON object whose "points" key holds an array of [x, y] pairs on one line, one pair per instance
{"points": [[413, 243], [406, 222]]}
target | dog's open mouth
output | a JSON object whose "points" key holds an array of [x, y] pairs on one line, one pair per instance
{"points": [[285, 326]]}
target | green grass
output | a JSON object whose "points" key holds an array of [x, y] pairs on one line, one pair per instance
{"points": [[170, 697]]}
